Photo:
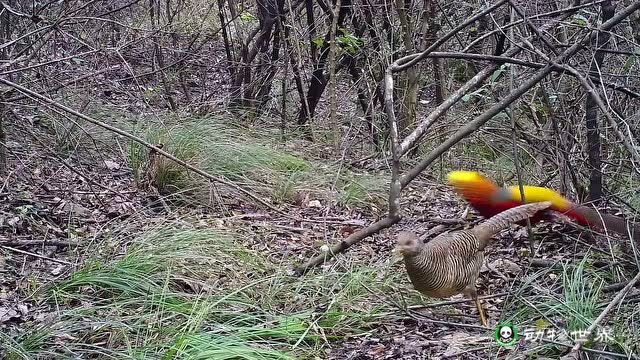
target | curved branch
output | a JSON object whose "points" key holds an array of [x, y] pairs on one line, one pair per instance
{"points": [[533, 65]]}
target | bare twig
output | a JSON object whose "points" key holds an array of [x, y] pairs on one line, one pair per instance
{"points": [[44, 242], [459, 301], [35, 255], [408, 61], [591, 91]]}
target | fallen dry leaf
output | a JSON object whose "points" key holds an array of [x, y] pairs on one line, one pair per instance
{"points": [[111, 165]]}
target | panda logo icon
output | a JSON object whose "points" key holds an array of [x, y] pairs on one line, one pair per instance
{"points": [[506, 335]]}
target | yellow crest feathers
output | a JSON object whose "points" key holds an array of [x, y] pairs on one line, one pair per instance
{"points": [[462, 176]]}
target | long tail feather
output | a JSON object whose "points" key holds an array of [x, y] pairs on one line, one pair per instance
{"points": [[497, 223], [607, 222]]}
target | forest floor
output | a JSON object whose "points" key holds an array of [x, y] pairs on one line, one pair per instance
{"points": [[94, 266]]}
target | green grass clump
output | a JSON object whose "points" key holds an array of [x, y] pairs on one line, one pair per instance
{"points": [[185, 293], [363, 190], [251, 159], [183, 143], [255, 161]]}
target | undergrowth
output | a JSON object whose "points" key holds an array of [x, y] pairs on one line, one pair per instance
{"points": [[186, 293], [252, 159], [558, 304]]}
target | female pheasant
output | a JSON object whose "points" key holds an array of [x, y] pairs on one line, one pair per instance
{"points": [[450, 263]]}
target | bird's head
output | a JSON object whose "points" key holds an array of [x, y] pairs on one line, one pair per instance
{"points": [[408, 243]]}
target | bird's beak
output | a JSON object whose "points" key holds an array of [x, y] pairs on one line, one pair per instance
{"points": [[400, 250]]}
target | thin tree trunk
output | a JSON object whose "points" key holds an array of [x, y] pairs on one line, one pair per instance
{"points": [[591, 112], [332, 76], [5, 35], [3, 139], [154, 12], [410, 92], [225, 38], [319, 79]]}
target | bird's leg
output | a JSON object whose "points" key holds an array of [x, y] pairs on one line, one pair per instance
{"points": [[473, 294]]}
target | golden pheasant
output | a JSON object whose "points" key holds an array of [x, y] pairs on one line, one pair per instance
{"points": [[490, 199], [450, 263]]}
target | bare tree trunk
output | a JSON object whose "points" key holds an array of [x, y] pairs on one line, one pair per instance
{"points": [[332, 76], [407, 117], [225, 38], [591, 111], [154, 12], [430, 36], [319, 79], [295, 68], [5, 35], [311, 29]]}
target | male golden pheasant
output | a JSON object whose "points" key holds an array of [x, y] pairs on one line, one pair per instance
{"points": [[490, 199], [450, 263]]}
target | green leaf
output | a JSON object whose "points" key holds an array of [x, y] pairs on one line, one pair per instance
{"points": [[629, 63], [247, 16], [580, 20], [319, 42], [496, 74]]}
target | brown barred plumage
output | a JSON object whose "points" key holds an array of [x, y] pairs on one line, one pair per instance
{"points": [[450, 263]]}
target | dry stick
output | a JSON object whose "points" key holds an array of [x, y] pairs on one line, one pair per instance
{"points": [[476, 123], [607, 310], [589, 350], [346, 243], [412, 139], [138, 140], [54, 61], [67, 83], [453, 302], [44, 242], [537, 31], [36, 255]]}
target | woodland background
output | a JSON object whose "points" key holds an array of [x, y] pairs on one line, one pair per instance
{"points": [[178, 175]]}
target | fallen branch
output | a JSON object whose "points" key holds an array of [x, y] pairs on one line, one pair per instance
{"points": [[346, 243], [453, 302], [61, 243], [35, 255]]}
